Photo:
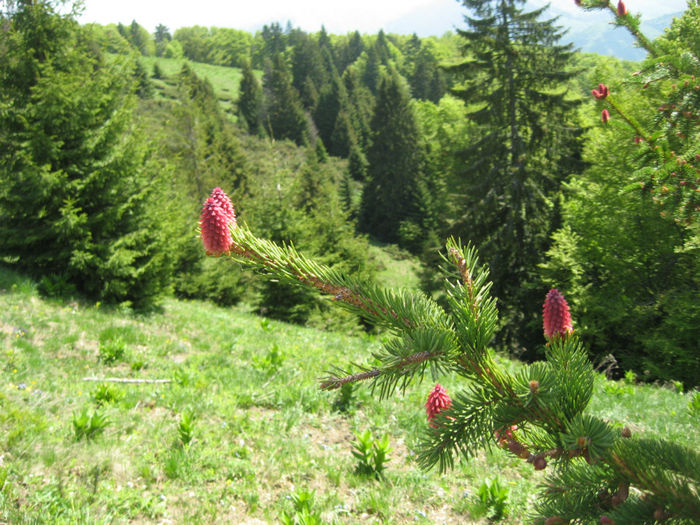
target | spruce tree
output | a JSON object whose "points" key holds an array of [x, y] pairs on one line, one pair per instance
{"points": [[332, 100], [250, 100], [283, 114], [392, 198], [514, 79], [78, 200], [308, 72]]}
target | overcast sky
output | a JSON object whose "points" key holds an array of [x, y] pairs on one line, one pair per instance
{"points": [[339, 17]]}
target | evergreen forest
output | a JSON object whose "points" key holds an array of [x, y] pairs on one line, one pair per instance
{"points": [[349, 146], [363, 153]]}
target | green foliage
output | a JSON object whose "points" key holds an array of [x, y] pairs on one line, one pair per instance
{"points": [[112, 350], [628, 252], [304, 513], [396, 202], [283, 115], [371, 454], [271, 361], [491, 501], [185, 428], [78, 196], [539, 413], [346, 400], [106, 394], [88, 425], [250, 100], [524, 144], [694, 405]]}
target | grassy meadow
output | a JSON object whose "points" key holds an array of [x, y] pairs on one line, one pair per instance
{"points": [[224, 80], [241, 433]]}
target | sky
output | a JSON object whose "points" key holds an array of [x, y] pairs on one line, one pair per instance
{"points": [[338, 17]]}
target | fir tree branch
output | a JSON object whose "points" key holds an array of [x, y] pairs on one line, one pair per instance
{"points": [[333, 382], [397, 311]]}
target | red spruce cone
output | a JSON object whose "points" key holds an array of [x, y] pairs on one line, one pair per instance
{"points": [[621, 8], [438, 400], [215, 222], [224, 202], [555, 315], [602, 92], [605, 116]]}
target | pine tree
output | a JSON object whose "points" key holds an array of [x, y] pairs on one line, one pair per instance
{"points": [[514, 76], [392, 197], [361, 105], [250, 100], [283, 114], [308, 72], [78, 200], [332, 100]]}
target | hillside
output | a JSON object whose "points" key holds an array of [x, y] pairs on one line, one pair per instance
{"points": [[240, 427]]}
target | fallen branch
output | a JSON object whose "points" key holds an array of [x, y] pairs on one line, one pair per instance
{"points": [[125, 380]]}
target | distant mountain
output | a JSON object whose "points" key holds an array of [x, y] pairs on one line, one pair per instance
{"points": [[589, 31], [592, 32]]}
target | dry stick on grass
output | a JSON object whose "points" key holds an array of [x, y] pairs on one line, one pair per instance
{"points": [[125, 380]]}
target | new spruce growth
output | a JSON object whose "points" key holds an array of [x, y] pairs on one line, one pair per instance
{"points": [[595, 472]]}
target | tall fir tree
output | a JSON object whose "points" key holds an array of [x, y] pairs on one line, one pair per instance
{"points": [[250, 100], [79, 200], [283, 115], [392, 199], [515, 78], [308, 71]]}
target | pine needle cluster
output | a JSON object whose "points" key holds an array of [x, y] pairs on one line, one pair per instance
{"points": [[597, 473]]}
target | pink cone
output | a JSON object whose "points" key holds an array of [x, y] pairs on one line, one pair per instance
{"points": [[556, 318], [605, 116], [215, 222], [621, 8], [602, 92], [224, 202], [438, 400]]}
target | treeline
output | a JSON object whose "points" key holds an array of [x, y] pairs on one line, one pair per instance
{"points": [[485, 135]]}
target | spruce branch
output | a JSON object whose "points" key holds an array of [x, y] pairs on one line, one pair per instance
{"points": [[598, 475]]}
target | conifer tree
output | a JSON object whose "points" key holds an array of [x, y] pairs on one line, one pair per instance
{"points": [[250, 100], [349, 52], [514, 76], [361, 105], [78, 199], [283, 114], [392, 197], [332, 100], [308, 72]]}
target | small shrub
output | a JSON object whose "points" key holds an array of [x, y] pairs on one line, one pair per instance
{"points": [[345, 401], [630, 377], [371, 454], [137, 365], [271, 361], [88, 426], [56, 286], [112, 350], [490, 502], [106, 393], [304, 513], [185, 429]]}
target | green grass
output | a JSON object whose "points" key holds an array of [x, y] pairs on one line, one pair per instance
{"points": [[240, 431], [224, 80]]}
